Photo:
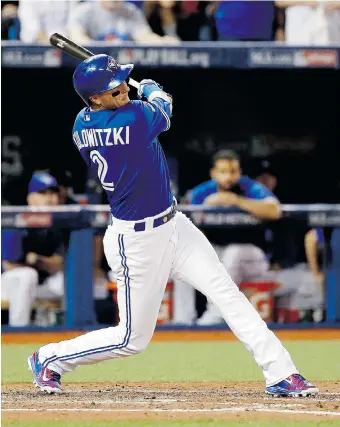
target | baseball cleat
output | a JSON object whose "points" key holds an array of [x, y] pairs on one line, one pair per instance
{"points": [[44, 378], [295, 385]]}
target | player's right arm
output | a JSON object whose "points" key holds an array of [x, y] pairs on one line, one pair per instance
{"points": [[156, 112]]}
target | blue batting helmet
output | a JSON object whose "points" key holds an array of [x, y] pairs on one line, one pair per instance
{"points": [[97, 74]]}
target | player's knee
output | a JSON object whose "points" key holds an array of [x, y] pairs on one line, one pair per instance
{"points": [[137, 344], [29, 280], [31, 276]]}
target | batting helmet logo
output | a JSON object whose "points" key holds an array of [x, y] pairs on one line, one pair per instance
{"points": [[111, 64]]}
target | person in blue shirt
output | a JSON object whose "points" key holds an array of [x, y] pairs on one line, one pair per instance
{"points": [[240, 250], [147, 240], [245, 20]]}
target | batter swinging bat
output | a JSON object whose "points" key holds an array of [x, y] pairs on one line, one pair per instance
{"points": [[73, 49]]}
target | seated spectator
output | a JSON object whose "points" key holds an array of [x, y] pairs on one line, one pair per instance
{"points": [[33, 262], [241, 251], [40, 19], [112, 21], [10, 25], [244, 20], [39, 262], [311, 22]]}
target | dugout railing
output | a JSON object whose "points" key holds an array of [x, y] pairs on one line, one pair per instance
{"points": [[83, 221]]}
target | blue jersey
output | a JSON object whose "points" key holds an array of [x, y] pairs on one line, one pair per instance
{"points": [[245, 187], [122, 146], [245, 19]]}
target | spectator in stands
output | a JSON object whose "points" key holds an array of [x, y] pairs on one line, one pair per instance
{"points": [[113, 21], [244, 20], [161, 17], [40, 19], [311, 22], [195, 20], [241, 251], [10, 26], [38, 258]]}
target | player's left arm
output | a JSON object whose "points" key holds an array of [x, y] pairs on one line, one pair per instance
{"points": [[157, 111], [260, 202]]}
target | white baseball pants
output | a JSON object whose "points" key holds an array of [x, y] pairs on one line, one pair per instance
{"points": [[20, 287], [243, 262], [142, 263]]}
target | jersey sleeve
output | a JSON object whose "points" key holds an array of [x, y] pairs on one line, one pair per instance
{"points": [[155, 114], [197, 197], [258, 191]]}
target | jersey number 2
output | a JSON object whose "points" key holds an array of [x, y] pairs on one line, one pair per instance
{"points": [[96, 157]]}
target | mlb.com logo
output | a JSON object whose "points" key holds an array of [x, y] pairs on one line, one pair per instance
{"points": [[52, 58], [87, 117]]}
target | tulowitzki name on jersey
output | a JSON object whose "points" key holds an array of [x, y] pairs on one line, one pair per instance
{"points": [[102, 137]]}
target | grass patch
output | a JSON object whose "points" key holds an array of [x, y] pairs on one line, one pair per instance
{"points": [[181, 362]]}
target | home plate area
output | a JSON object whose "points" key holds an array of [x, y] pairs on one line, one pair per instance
{"points": [[101, 401]]}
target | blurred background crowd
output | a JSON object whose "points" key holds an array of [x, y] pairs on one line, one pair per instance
{"points": [[166, 21]]}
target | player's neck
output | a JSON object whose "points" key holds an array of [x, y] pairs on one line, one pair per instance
{"points": [[92, 108]]}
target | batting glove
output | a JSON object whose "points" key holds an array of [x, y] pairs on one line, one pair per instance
{"points": [[145, 87]]}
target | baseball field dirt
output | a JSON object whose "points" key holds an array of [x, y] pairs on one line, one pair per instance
{"points": [[173, 383]]}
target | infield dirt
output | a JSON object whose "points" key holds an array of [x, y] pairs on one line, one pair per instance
{"points": [[105, 401]]}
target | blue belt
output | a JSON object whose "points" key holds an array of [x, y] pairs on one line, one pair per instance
{"points": [[140, 226]]}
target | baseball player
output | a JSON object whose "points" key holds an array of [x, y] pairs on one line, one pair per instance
{"points": [[240, 251], [147, 240]]}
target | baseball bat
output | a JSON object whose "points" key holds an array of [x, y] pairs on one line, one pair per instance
{"points": [[77, 51]]}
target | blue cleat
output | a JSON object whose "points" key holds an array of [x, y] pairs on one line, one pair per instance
{"points": [[295, 385], [44, 378]]}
